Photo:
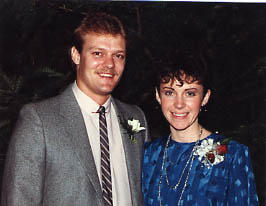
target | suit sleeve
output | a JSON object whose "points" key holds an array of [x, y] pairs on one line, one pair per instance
{"points": [[242, 189], [25, 162]]}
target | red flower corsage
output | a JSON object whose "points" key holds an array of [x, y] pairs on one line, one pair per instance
{"points": [[211, 153]]}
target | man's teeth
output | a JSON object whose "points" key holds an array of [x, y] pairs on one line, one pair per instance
{"points": [[180, 115], [106, 75]]}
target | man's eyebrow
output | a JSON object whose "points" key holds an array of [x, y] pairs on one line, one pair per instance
{"points": [[102, 49]]}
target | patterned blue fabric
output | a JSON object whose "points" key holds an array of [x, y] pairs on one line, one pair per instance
{"points": [[228, 183]]}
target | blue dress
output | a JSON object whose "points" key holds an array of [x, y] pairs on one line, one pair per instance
{"points": [[228, 183]]}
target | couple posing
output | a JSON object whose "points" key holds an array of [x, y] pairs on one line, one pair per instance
{"points": [[85, 147]]}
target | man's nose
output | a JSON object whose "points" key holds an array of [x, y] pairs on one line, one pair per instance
{"points": [[109, 61]]}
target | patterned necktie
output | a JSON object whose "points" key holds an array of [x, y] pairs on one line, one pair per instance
{"points": [[105, 159]]}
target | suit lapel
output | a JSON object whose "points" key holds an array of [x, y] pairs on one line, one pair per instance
{"points": [[75, 127], [132, 155]]}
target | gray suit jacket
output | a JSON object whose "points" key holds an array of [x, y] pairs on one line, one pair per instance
{"points": [[50, 161]]}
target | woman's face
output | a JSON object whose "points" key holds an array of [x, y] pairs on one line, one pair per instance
{"points": [[181, 103]]}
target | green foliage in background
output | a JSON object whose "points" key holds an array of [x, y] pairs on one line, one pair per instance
{"points": [[231, 39]]}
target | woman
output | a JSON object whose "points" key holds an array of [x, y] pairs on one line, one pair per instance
{"points": [[193, 166]]}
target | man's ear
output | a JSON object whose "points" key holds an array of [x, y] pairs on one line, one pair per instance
{"points": [[206, 98], [75, 55], [158, 98]]}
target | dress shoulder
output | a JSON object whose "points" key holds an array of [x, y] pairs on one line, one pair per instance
{"points": [[152, 151], [233, 145], [237, 151], [154, 145]]}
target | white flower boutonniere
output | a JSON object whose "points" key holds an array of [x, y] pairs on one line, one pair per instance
{"points": [[132, 126], [211, 153], [135, 125]]}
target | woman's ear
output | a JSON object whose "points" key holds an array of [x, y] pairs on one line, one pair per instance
{"points": [[206, 98], [75, 55], [158, 98]]}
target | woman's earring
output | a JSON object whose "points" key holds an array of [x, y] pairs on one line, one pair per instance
{"points": [[203, 108]]}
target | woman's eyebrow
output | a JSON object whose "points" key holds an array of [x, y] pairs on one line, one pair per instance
{"points": [[166, 87]]}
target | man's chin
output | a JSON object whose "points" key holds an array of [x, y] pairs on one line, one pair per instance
{"points": [[106, 92], [107, 88]]}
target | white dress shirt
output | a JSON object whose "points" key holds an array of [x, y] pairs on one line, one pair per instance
{"points": [[120, 183]]}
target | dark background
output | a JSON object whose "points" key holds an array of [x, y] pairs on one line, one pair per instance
{"points": [[230, 38]]}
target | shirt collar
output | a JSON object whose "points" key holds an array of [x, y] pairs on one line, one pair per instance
{"points": [[88, 104]]}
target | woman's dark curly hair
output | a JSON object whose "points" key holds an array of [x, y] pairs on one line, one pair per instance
{"points": [[184, 68]]}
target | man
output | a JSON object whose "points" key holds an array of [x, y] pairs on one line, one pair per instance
{"points": [[56, 155]]}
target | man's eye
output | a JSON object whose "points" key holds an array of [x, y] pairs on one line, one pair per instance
{"points": [[96, 53], [120, 56]]}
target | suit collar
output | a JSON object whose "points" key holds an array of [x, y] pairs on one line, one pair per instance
{"points": [[86, 103]]}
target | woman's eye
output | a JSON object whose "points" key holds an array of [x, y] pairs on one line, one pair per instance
{"points": [[191, 94], [168, 93]]}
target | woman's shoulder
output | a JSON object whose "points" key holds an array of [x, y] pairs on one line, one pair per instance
{"points": [[155, 142], [154, 145], [152, 151]]}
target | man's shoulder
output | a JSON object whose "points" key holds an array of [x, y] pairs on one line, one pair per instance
{"points": [[128, 111], [121, 103], [52, 103], [125, 106]]}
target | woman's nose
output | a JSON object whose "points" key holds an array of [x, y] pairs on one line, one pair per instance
{"points": [[179, 102]]}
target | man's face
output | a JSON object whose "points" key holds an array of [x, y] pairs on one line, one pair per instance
{"points": [[100, 64]]}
